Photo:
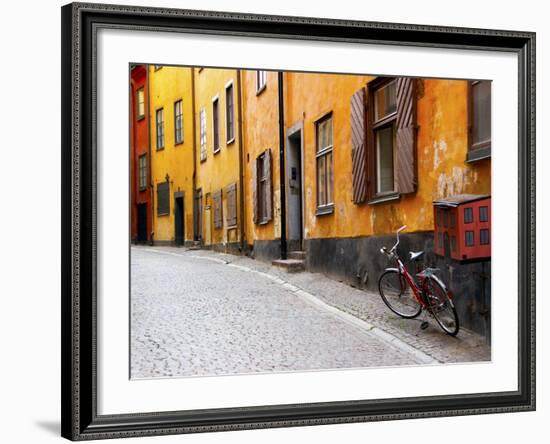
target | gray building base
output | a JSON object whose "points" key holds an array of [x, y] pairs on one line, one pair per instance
{"points": [[358, 262]]}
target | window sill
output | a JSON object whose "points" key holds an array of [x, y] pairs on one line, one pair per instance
{"points": [[178, 143], [261, 90], [139, 118], [230, 141], [163, 214], [264, 221], [141, 190], [232, 227], [382, 198], [478, 154], [217, 151], [160, 148], [327, 209]]}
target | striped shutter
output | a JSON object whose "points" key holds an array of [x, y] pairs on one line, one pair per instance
{"points": [[358, 147], [218, 221], [268, 189], [405, 159], [232, 205], [255, 217]]}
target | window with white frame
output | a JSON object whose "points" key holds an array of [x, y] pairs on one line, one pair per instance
{"points": [[178, 122], [202, 121], [325, 179], [261, 80], [216, 125], [229, 113], [160, 129]]}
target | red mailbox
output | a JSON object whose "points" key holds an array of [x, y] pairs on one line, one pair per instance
{"points": [[463, 227]]}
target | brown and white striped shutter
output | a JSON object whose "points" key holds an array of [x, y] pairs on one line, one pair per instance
{"points": [[405, 159], [255, 218], [358, 147], [268, 188]]}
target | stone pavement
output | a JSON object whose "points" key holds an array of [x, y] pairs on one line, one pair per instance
{"points": [[197, 313]]}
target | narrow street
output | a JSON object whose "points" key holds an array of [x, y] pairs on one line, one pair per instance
{"points": [[199, 313]]}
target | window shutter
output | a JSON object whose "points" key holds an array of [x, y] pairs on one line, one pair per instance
{"points": [[255, 192], [405, 159], [232, 205], [358, 147], [268, 188], [218, 221]]}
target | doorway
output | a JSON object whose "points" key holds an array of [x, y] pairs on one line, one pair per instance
{"points": [[179, 226], [295, 200], [142, 222]]}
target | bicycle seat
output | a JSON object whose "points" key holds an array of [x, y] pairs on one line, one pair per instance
{"points": [[415, 255]]}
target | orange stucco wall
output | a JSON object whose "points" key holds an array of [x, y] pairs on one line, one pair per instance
{"points": [[441, 153], [260, 132]]}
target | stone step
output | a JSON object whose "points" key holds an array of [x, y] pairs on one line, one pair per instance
{"points": [[300, 255], [290, 265]]}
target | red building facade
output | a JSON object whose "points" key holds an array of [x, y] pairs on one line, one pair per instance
{"points": [[140, 157]]}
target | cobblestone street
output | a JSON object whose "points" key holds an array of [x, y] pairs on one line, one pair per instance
{"points": [[198, 313]]}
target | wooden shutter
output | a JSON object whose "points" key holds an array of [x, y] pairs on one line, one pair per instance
{"points": [[358, 147], [232, 205], [163, 198], [255, 175], [405, 159], [218, 221], [268, 188]]}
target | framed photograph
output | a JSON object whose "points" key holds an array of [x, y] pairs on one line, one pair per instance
{"points": [[276, 221]]}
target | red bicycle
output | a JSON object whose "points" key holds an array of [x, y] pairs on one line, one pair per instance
{"points": [[407, 296]]}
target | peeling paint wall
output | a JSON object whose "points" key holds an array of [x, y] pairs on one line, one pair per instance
{"points": [[442, 139], [168, 85]]}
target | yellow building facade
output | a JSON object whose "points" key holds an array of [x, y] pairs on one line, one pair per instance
{"points": [[172, 147], [218, 198]]}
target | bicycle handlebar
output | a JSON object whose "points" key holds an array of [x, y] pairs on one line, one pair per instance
{"points": [[385, 250]]}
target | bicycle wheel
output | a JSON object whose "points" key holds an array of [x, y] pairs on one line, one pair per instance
{"points": [[441, 307], [397, 294]]}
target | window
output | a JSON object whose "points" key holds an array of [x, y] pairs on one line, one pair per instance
{"points": [[469, 238], [163, 198], [202, 118], [452, 220], [385, 116], [484, 236], [261, 80], [216, 125], [324, 165], [391, 138], [142, 168], [480, 120], [446, 218], [157, 67], [453, 243], [261, 193], [160, 129], [178, 122], [140, 103], [483, 214], [468, 215], [229, 114]]}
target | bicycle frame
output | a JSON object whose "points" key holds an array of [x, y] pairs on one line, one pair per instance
{"points": [[418, 290]]}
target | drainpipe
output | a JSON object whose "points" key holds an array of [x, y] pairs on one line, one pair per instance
{"points": [[241, 160], [193, 197], [150, 169], [282, 165]]}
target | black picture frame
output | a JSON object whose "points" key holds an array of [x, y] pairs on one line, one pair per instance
{"points": [[80, 420]]}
